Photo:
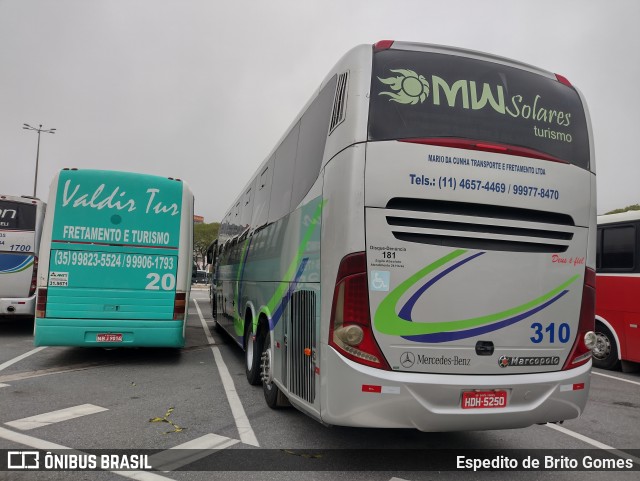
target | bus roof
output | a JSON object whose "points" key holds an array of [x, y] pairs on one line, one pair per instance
{"points": [[620, 217], [463, 52], [25, 199]]}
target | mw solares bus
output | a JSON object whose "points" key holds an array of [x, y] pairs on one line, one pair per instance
{"points": [[20, 230], [618, 292], [419, 248], [115, 261]]}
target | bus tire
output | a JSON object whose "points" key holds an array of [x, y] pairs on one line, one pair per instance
{"points": [[605, 354], [274, 398], [252, 350]]}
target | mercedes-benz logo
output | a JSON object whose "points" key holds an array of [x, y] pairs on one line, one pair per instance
{"points": [[407, 359]]}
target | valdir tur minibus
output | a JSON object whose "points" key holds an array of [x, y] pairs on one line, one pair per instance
{"points": [[115, 261]]}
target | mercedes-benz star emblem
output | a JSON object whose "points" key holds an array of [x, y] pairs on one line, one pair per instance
{"points": [[407, 359]]}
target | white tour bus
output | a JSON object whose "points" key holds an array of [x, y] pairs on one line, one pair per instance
{"points": [[419, 248], [20, 230]]}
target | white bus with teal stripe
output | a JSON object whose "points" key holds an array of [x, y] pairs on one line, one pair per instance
{"points": [[20, 230], [116, 261], [418, 250]]}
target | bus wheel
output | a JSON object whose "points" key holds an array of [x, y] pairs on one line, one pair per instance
{"points": [[252, 349], [605, 354], [274, 398]]}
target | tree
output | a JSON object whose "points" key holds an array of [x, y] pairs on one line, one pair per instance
{"points": [[203, 236], [626, 209]]}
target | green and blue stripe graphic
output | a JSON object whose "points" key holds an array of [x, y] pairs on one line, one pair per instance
{"points": [[12, 263], [402, 324]]}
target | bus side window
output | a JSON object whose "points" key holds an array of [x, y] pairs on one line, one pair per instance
{"points": [[314, 127], [246, 206], [280, 201], [263, 192], [619, 248], [599, 249]]}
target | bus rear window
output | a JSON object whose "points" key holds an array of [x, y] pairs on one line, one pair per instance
{"points": [[432, 95], [17, 216]]}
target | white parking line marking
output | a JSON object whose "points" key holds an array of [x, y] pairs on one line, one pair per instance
{"points": [[4, 385], [245, 431], [46, 419], [10, 362], [52, 370], [616, 378], [199, 448], [36, 443], [594, 443]]}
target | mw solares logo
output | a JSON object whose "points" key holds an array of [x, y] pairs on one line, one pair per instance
{"points": [[411, 88]]}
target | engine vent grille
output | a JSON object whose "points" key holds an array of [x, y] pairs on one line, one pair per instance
{"points": [[303, 344], [479, 226]]}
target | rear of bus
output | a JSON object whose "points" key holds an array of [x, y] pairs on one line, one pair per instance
{"points": [[479, 210], [20, 230], [116, 261]]}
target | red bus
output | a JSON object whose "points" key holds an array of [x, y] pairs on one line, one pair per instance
{"points": [[618, 291]]}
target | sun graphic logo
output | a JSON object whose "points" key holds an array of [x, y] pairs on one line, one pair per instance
{"points": [[408, 87]]}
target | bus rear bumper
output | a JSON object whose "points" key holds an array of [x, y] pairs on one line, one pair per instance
{"points": [[18, 306], [360, 396], [85, 333]]}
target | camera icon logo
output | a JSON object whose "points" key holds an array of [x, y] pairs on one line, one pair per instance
{"points": [[23, 460]]}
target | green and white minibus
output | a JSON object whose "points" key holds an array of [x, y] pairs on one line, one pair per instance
{"points": [[21, 221], [116, 259], [419, 248]]}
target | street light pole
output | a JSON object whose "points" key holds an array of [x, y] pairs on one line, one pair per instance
{"points": [[39, 130]]}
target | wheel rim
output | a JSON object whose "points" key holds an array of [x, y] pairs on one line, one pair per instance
{"points": [[602, 350], [265, 365]]}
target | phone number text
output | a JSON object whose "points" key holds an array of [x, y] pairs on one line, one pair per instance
{"points": [[455, 183], [119, 260]]}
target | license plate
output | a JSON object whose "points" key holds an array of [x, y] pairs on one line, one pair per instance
{"points": [[484, 399], [108, 337]]}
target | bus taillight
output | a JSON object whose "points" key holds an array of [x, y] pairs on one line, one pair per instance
{"points": [[586, 338], [563, 80], [179, 305], [34, 277], [350, 332], [382, 45], [41, 303]]}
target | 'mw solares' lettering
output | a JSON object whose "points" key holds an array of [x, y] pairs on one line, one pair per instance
{"points": [[465, 88], [411, 88], [117, 199]]}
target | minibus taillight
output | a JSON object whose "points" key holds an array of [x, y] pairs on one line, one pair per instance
{"points": [[350, 332], [586, 338], [179, 305], [41, 302], [34, 277]]}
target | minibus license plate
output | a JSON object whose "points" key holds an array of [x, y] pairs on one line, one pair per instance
{"points": [[109, 338], [484, 399]]}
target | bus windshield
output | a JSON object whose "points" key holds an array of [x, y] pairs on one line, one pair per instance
{"points": [[17, 215], [423, 95]]}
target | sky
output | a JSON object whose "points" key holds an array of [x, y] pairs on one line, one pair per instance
{"points": [[203, 89]]}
